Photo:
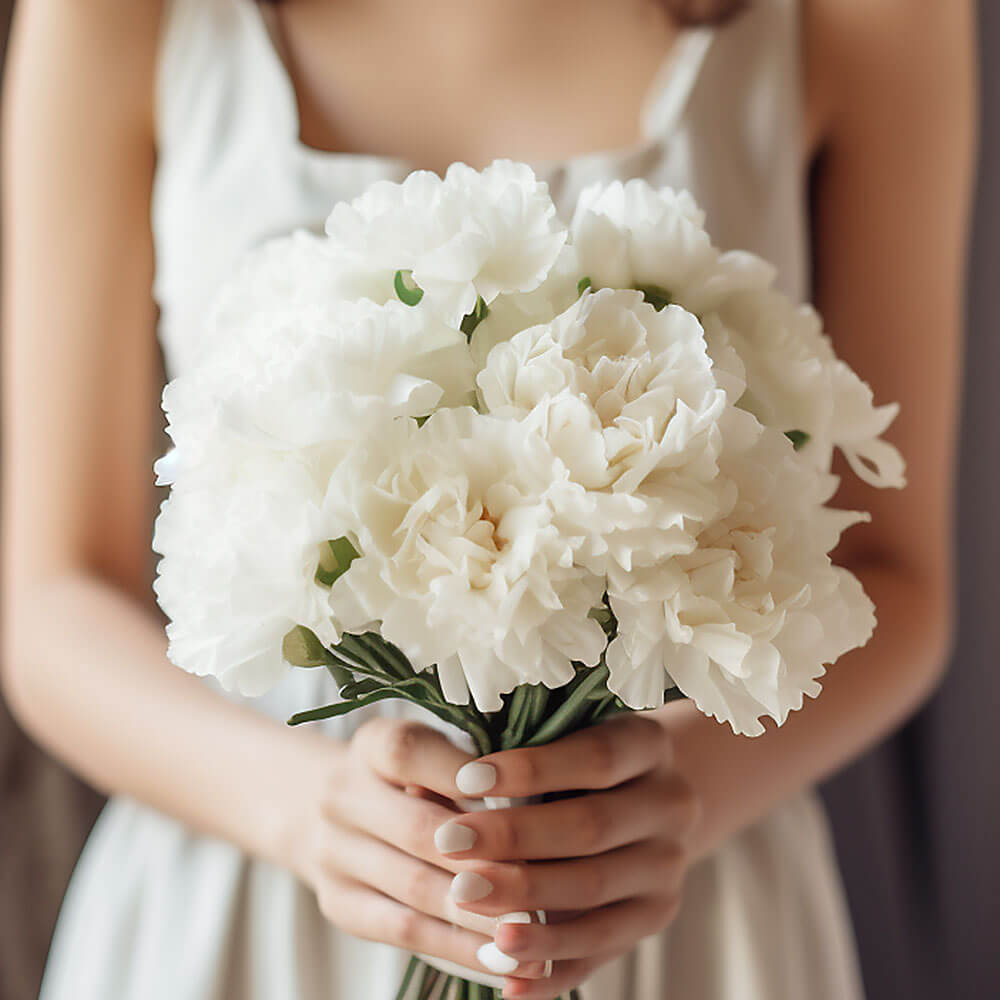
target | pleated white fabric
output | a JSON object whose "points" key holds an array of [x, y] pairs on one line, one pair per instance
{"points": [[157, 912]]}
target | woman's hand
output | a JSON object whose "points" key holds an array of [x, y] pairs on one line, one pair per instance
{"points": [[606, 866], [367, 846]]}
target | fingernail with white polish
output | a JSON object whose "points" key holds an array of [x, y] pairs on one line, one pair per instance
{"points": [[467, 887], [453, 838], [496, 961], [476, 778]]}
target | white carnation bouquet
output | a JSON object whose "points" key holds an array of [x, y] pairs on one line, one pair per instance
{"points": [[522, 473]]}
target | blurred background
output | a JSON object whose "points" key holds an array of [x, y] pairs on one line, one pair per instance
{"points": [[917, 821]]}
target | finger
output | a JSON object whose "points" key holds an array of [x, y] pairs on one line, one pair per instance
{"points": [[577, 884], [599, 757], [649, 808], [565, 976], [409, 753], [367, 914], [406, 879], [407, 822], [614, 928]]}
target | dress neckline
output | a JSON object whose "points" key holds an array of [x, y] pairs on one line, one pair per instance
{"points": [[661, 108]]}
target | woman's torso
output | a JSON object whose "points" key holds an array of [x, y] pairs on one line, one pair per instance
{"points": [[764, 918]]}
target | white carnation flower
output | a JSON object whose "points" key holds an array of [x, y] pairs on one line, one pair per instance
{"points": [[625, 396], [513, 312], [240, 554], [795, 382], [634, 235], [471, 234], [745, 624], [464, 561], [316, 378]]}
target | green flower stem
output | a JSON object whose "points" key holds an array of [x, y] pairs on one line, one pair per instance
{"points": [[411, 971], [428, 982], [571, 709]]}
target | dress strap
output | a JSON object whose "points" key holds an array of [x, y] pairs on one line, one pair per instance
{"points": [[672, 87]]}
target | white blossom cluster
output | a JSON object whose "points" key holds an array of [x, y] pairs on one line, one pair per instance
{"points": [[508, 422]]}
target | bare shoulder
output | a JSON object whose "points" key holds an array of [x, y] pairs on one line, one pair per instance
{"points": [[872, 61]]}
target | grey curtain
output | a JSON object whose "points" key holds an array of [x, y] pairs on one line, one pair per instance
{"points": [[917, 821]]}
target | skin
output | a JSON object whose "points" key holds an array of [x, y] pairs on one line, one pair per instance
{"points": [[889, 128]]}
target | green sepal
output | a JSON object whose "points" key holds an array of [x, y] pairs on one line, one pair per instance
{"points": [[408, 293], [341, 675], [335, 560], [471, 320], [658, 297], [302, 648], [583, 284], [605, 617], [799, 439]]}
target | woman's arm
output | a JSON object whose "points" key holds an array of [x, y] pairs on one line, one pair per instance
{"points": [[84, 653], [893, 88]]}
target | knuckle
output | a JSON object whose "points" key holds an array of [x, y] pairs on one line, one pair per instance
{"points": [[403, 926], [368, 735], [417, 887], [523, 884], [524, 770], [419, 837], [400, 743], [604, 753], [327, 899], [505, 835], [687, 805], [594, 827], [593, 884]]}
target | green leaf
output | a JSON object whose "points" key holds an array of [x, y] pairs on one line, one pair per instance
{"points": [[301, 648], [407, 290], [356, 649], [346, 707], [335, 560], [390, 657], [357, 689], [659, 298], [798, 438], [583, 284], [471, 320]]}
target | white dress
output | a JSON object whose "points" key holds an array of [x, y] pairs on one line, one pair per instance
{"points": [[157, 912]]}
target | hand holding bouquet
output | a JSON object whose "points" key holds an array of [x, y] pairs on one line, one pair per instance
{"points": [[522, 474]]}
